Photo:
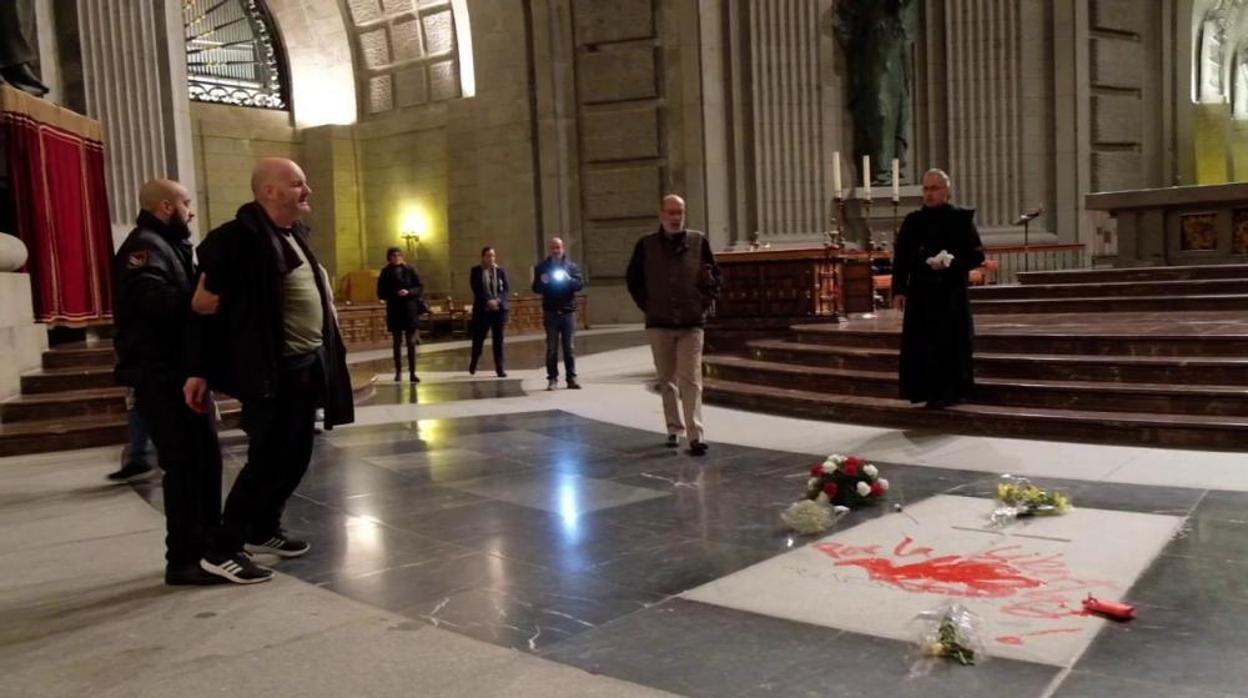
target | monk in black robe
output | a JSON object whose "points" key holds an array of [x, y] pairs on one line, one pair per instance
{"points": [[935, 251]]}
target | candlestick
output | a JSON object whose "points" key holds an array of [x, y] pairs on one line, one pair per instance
{"points": [[866, 177], [896, 180], [866, 223], [895, 202], [836, 175]]}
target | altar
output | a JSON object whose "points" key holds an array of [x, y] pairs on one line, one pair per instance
{"points": [[766, 291]]}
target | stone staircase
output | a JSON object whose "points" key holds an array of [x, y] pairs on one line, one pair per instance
{"points": [[1164, 378], [72, 402], [1145, 289]]}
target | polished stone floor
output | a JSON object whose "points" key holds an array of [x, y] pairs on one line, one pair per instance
{"points": [[593, 545], [485, 537]]}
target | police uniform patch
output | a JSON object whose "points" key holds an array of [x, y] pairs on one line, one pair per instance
{"points": [[137, 259]]}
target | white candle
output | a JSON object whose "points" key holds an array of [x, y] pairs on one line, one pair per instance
{"points": [[866, 177], [896, 179], [836, 175]]}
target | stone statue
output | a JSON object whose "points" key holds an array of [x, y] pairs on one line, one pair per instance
{"points": [[15, 51], [877, 36]]}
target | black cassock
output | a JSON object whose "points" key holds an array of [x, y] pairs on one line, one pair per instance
{"points": [[935, 363]]}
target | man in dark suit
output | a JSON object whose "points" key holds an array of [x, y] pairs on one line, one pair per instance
{"points": [[489, 308]]}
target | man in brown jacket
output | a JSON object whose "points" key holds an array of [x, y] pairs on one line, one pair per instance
{"points": [[673, 278]]}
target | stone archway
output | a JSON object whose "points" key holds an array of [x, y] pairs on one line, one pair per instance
{"points": [[320, 64]]}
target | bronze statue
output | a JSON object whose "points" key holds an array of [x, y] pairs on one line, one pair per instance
{"points": [[877, 36], [15, 51]]}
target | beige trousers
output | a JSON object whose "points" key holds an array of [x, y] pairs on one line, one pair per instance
{"points": [[678, 362]]}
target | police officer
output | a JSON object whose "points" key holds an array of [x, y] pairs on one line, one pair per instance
{"points": [[156, 279]]}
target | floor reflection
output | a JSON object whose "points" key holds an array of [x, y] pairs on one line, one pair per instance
{"points": [[388, 393], [550, 533]]}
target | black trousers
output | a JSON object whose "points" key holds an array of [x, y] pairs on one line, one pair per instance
{"points": [[411, 336], [186, 444], [493, 324], [279, 433]]}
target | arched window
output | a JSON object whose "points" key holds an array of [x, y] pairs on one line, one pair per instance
{"points": [[412, 53], [233, 56]]}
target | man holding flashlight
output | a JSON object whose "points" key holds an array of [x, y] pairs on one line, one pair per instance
{"points": [[558, 280]]}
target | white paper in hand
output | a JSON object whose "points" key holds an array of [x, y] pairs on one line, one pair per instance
{"points": [[940, 260]]}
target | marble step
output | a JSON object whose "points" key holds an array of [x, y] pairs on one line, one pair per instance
{"points": [[65, 379], [85, 431], [1005, 341], [59, 405], [1114, 289], [1111, 304], [1069, 367], [46, 435], [1089, 276], [79, 355], [1178, 431], [1216, 400], [88, 431]]}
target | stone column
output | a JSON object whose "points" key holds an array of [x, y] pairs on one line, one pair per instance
{"points": [[791, 194], [134, 74], [982, 43], [22, 340]]}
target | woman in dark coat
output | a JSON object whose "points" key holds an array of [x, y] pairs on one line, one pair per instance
{"points": [[399, 287]]}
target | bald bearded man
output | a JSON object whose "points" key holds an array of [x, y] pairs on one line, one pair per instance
{"points": [[155, 277], [273, 344]]}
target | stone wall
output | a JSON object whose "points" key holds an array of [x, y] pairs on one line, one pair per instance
{"points": [[228, 141], [1125, 84], [491, 199], [402, 162], [22, 340]]}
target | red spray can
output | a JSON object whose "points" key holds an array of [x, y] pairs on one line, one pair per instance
{"points": [[1113, 609]]}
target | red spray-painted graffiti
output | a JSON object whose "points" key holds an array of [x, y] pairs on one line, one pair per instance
{"points": [[1018, 640], [1039, 585]]}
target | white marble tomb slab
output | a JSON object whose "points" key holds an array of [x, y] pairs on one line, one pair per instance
{"points": [[1026, 581]]}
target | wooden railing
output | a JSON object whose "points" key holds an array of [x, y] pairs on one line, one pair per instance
{"points": [[1012, 259], [363, 325]]}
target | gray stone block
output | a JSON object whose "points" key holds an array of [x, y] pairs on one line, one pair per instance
{"points": [[621, 135], [439, 32], [405, 38], [393, 7], [1119, 15], [617, 74], [612, 20], [622, 193], [375, 48], [1117, 119], [1117, 63], [443, 81], [1115, 171], [364, 10], [380, 94], [411, 87]]}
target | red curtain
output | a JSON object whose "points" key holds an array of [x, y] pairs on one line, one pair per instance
{"points": [[56, 171]]}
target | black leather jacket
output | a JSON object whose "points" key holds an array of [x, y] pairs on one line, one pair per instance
{"points": [[155, 278]]}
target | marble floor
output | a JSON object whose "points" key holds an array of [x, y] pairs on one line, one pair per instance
{"points": [[475, 536]]}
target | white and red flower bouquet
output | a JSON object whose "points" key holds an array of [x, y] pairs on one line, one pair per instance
{"points": [[846, 481], [836, 485]]}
